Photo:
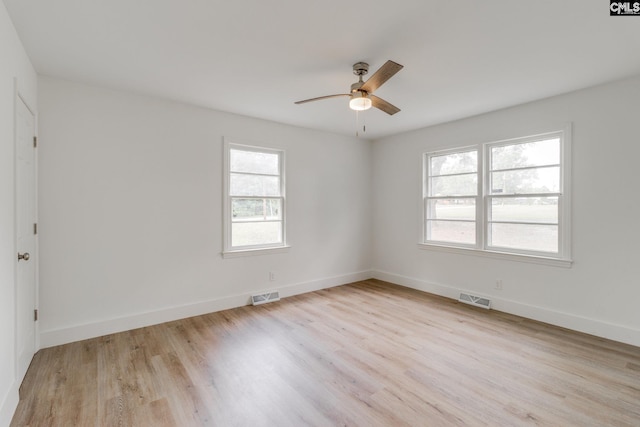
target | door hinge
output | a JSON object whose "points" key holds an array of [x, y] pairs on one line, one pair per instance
{"points": [[35, 228], [35, 141], [35, 315]]}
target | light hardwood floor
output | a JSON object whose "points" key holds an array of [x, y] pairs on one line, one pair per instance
{"points": [[365, 354]]}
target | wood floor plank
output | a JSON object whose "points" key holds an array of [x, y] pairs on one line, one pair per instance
{"points": [[365, 354]]}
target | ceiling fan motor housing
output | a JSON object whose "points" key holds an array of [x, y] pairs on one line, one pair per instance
{"points": [[356, 86]]}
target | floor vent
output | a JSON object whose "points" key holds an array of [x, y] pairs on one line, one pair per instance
{"points": [[264, 298], [474, 300]]}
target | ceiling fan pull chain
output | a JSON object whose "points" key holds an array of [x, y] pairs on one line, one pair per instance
{"points": [[364, 122]]}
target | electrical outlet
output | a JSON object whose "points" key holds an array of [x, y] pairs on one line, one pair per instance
{"points": [[499, 284], [272, 276]]}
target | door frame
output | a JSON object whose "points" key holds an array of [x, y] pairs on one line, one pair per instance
{"points": [[18, 97]]}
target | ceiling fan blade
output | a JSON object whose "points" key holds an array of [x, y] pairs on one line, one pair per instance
{"points": [[383, 105], [322, 97], [384, 73]]}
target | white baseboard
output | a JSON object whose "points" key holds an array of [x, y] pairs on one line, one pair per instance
{"points": [[590, 326], [9, 404], [60, 336], [95, 329]]}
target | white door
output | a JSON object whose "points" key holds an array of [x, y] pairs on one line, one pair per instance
{"points": [[25, 237]]}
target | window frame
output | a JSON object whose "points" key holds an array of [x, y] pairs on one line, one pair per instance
{"points": [[230, 251], [427, 191], [482, 248]]}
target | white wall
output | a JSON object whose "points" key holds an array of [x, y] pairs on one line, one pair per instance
{"points": [[14, 65], [130, 212], [131, 216], [599, 294]]}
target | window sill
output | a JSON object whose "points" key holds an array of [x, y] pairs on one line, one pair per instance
{"points": [[555, 262], [255, 252]]}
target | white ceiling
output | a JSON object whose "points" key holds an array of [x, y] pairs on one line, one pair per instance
{"points": [[256, 57]]}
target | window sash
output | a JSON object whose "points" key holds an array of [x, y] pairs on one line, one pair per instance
{"points": [[489, 222], [430, 218]]}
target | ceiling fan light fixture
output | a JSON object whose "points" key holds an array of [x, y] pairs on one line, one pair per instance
{"points": [[359, 101]]}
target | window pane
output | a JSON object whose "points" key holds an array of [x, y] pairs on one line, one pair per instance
{"points": [[456, 185], [536, 180], [254, 185], [255, 233], [254, 162], [543, 238], [452, 209], [537, 153], [255, 209], [451, 231], [454, 163], [525, 209]]}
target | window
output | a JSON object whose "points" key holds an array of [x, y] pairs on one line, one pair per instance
{"points": [[452, 197], [254, 205], [502, 197], [523, 182]]}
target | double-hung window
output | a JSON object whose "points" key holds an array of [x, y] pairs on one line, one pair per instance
{"points": [[254, 205], [502, 197], [524, 195], [451, 199]]}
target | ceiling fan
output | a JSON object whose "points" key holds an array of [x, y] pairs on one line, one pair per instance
{"points": [[362, 97]]}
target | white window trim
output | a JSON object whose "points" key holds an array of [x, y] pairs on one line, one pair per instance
{"points": [[425, 191], [531, 259], [228, 251], [480, 249]]}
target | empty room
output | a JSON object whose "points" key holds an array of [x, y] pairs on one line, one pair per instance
{"points": [[289, 213]]}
